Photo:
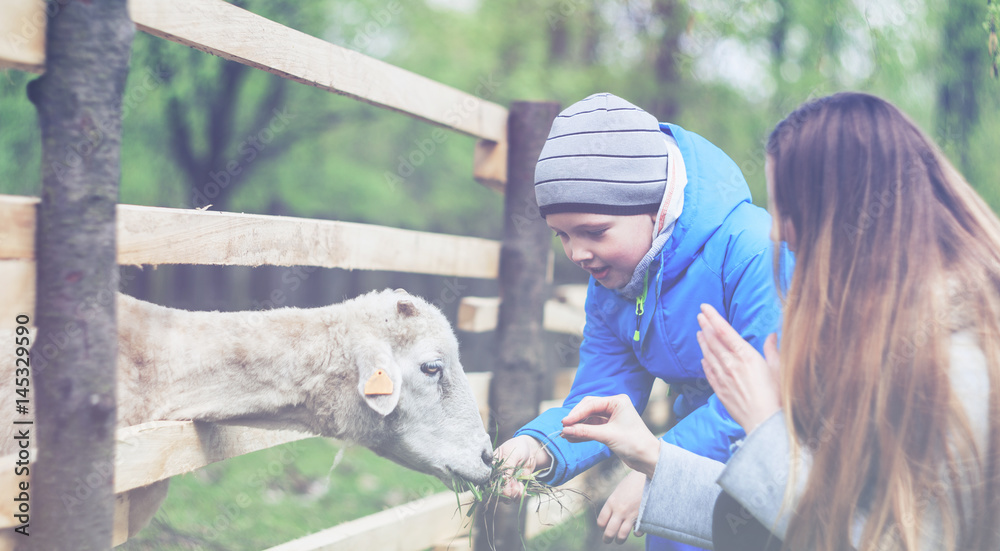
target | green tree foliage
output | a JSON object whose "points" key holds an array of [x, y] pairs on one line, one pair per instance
{"points": [[195, 124]]}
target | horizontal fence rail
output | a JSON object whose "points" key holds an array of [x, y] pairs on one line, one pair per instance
{"points": [[157, 451], [22, 35], [17, 291], [155, 235], [479, 314], [233, 33], [427, 522]]}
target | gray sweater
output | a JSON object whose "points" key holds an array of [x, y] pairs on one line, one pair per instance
{"points": [[678, 501]]}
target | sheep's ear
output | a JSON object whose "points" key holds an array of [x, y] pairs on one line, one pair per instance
{"points": [[378, 378], [406, 308]]}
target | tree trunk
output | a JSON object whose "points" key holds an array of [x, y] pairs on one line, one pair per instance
{"points": [[79, 106], [518, 376], [963, 65], [673, 15], [778, 38]]}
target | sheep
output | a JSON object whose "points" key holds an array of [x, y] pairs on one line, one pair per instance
{"points": [[381, 370]]}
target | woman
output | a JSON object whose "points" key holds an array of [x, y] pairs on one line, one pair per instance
{"points": [[882, 430]]}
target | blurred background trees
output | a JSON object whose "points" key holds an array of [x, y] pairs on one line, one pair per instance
{"points": [[203, 131]]}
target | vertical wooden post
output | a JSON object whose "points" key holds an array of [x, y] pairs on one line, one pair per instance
{"points": [[73, 394], [517, 379]]}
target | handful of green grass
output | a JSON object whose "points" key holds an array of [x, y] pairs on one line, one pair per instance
{"points": [[490, 494]]}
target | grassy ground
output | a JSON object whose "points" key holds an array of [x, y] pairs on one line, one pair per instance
{"points": [[269, 497], [260, 500]]}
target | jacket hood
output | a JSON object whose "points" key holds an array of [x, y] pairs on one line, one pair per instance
{"points": [[715, 186]]}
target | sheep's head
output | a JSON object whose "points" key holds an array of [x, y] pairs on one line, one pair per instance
{"points": [[420, 407]]}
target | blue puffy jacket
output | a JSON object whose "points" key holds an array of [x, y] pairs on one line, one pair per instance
{"points": [[719, 253]]}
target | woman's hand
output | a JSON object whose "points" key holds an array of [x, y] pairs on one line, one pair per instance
{"points": [[614, 422], [745, 382]]}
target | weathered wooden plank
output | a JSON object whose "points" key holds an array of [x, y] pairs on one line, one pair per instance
{"points": [[222, 29], [563, 318], [230, 32], [409, 527], [479, 314], [158, 450], [17, 291], [489, 164], [574, 295], [119, 533], [17, 232], [22, 35], [154, 235]]}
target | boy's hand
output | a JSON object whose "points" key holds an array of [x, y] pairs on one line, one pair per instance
{"points": [[621, 510], [520, 452]]}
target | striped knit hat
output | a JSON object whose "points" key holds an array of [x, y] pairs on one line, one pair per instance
{"points": [[604, 156]]}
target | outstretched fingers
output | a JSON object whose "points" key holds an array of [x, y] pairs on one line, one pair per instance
{"points": [[719, 361], [584, 433], [620, 535], [725, 350], [595, 407], [619, 513], [711, 351], [725, 338], [743, 380], [588, 420]]}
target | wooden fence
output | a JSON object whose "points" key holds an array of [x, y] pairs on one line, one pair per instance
{"points": [[159, 450], [149, 235]]}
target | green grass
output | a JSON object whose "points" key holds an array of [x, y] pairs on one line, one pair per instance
{"points": [[272, 496], [487, 496]]}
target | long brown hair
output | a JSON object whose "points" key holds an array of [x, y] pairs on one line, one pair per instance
{"points": [[894, 252]]}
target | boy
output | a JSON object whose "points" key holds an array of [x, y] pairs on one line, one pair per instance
{"points": [[662, 221]]}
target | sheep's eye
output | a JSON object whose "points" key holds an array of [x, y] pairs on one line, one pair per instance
{"points": [[432, 368]]}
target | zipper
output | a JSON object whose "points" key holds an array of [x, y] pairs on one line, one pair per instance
{"points": [[640, 305]]}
